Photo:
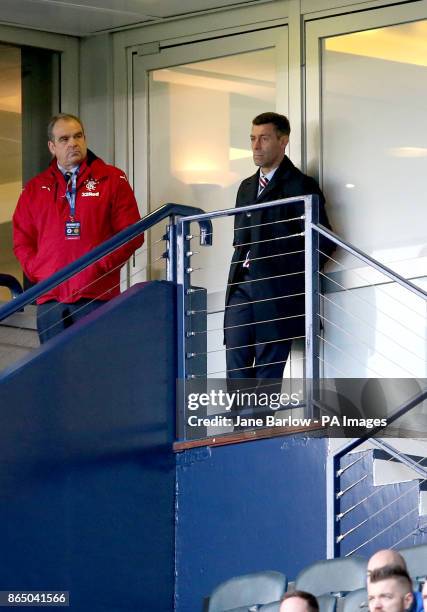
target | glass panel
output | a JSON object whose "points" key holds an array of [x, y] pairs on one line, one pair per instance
{"points": [[200, 118], [29, 95], [10, 155], [374, 85], [200, 122]]}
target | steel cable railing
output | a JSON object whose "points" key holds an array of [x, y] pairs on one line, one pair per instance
{"points": [[198, 321], [359, 361], [367, 282], [270, 243], [99, 297], [356, 338], [345, 329], [70, 298], [361, 531], [358, 517], [364, 301], [194, 278], [168, 211], [362, 320], [359, 341]]}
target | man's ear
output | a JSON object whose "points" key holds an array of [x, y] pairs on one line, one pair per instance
{"points": [[285, 140], [51, 147], [408, 600]]}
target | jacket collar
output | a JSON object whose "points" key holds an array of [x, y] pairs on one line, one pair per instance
{"points": [[91, 167], [249, 193], [281, 174]]}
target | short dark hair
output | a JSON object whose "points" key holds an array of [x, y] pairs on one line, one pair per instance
{"points": [[391, 571], [312, 602], [64, 117], [280, 122]]}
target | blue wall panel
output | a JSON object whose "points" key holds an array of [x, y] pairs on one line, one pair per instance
{"points": [[388, 516], [248, 507], [87, 476]]}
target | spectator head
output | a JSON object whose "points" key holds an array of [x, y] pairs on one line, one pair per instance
{"points": [[385, 557], [389, 589], [299, 601], [269, 139], [67, 140]]}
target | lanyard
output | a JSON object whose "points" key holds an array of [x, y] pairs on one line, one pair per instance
{"points": [[71, 192]]}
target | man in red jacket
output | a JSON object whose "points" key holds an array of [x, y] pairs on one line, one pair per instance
{"points": [[65, 212]]}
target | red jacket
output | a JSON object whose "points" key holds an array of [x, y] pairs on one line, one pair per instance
{"points": [[105, 204]]}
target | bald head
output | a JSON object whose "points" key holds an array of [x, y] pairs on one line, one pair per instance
{"points": [[385, 557], [299, 601]]}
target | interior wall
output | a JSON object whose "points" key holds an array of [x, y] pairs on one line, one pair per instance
{"points": [[104, 78], [96, 94], [254, 511]]}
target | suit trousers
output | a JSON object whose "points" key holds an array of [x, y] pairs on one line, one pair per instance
{"points": [[53, 317], [245, 356]]}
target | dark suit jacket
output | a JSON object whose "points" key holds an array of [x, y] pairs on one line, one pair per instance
{"points": [[274, 251]]}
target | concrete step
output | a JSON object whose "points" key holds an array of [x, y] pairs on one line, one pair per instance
{"points": [[409, 446], [18, 336], [25, 319], [385, 472], [392, 472]]}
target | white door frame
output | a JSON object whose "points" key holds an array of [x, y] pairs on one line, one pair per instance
{"points": [[144, 58], [318, 29]]}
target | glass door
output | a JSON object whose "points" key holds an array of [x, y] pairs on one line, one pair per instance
{"points": [[192, 112], [366, 127], [193, 107]]}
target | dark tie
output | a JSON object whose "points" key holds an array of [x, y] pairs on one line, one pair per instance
{"points": [[263, 182]]}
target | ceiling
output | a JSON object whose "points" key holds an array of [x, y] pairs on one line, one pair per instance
{"points": [[89, 17]]}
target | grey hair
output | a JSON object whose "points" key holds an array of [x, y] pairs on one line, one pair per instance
{"points": [[59, 117]]}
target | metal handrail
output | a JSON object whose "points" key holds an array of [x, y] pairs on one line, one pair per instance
{"points": [[402, 458], [402, 410], [165, 211], [349, 446], [369, 260], [320, 229], [183, 264], [11, 283], [230, 212]]}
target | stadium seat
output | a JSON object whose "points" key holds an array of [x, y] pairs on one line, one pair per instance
{"points": [[416, 560], [356, 601], [333, 576], [248, 590], [327, 603]]}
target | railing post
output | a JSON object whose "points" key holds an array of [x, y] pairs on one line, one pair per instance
{"points": [[331, 508], [180, 232], [312, 285], [171, 264]]}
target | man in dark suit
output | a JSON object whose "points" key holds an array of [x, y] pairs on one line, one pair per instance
{"points": [[265, 291]]}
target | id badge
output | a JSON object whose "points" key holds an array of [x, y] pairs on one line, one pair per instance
{"points": [[72, 230]]}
